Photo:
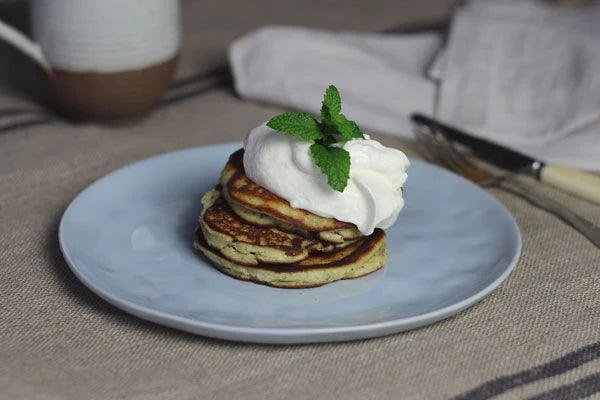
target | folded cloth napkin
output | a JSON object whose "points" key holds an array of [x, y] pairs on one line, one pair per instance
{"points": [[380, 77], [522, 73]]}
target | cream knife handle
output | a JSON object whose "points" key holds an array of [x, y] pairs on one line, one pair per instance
{"points": [[577, 182]]}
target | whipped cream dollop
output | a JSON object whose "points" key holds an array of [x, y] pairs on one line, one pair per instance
{"points": [[373, 198]]}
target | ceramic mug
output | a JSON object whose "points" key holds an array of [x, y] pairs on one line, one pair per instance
{"points": [[102, 59]]}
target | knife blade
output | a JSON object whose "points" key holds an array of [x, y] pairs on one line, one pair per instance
{"points": [[580, 183], [495, 153]]}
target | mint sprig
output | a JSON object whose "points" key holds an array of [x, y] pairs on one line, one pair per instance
{"points": [[333, 161]]}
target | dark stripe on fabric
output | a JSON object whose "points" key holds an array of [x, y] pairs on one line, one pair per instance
{"points": [[11, 112], [579, 390], [556, 367], [218, 72], [441, 26], [25, 124], [169, 100]]}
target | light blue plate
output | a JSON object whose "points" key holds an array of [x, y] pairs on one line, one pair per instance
{"points": [[128, 237]]}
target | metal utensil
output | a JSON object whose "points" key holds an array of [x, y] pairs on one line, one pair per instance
{"points": [[577, 182], [438, 149]]}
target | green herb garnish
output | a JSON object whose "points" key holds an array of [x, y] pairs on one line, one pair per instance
{"points": [[333, 161]]}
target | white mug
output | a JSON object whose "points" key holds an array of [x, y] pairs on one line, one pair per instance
{"points": [[102, 58]]}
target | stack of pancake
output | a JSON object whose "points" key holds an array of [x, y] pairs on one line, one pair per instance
{"points": [[252, 234]]}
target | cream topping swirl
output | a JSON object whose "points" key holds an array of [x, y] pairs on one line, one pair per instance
{"points": [[373, 198]]}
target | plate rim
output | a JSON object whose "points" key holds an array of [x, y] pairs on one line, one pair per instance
{"points": [[283, 335]]}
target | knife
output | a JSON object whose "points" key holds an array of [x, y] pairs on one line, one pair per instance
{"points": [[582, 184]]}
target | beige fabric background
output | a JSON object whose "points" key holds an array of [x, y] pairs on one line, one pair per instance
{"points": [[60, 341]]}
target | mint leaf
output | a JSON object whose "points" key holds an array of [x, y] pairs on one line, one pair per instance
{"points": [[334, 162], [297, 124], [346, 128], [332, 104], [355, 130]]}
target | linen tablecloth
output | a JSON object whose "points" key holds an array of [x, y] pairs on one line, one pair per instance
{"points": [[537, 335]]}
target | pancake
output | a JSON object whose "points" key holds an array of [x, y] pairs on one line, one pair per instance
{"points": [[252, 234], [248, 244], [358, 259], [258, 206]]}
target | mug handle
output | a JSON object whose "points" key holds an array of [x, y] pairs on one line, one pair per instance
{"points": [[24, 44]]}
